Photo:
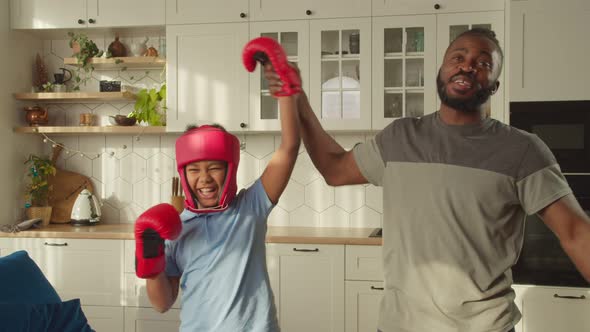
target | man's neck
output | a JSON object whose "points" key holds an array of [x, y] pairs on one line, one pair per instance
{"points": [[454, 117]]}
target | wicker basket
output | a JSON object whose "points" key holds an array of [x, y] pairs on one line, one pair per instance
{"points": [[43, 212]]}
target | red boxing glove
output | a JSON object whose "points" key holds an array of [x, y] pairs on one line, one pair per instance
{"points": [[264, 49], [151, 228]]}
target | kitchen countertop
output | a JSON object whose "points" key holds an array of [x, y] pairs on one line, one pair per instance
{"points": [[275, 234]]}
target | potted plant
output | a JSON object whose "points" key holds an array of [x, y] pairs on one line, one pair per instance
{"points": [[83, 49], [150, 106], [37, 194]]}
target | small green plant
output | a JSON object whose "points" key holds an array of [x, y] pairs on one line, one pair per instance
{"points": [[84, 49], [47, 87], [39, 170], [147, 106]]}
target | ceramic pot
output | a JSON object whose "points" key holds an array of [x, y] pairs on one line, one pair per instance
{"points": [[117, 48], [36, 115]]}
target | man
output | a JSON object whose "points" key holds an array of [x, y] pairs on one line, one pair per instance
{"points": [[457, 186]]}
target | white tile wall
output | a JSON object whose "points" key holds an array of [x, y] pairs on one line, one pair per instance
{"points": [[133, 173]]}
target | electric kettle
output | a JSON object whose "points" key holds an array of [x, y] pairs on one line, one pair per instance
{"points": [[86, 209]]}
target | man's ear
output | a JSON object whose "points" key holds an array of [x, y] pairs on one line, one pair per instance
{"points": [[495, 88]]}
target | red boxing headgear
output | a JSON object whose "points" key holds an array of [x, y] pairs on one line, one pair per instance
{"points": [[209, 143]]}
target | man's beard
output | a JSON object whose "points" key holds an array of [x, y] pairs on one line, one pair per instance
{"points": [[469, 105]]}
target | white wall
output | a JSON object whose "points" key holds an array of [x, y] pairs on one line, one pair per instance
{"points": [[16, 58]]}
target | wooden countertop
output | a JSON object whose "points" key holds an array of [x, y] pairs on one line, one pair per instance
{"points": [[309, 235]]}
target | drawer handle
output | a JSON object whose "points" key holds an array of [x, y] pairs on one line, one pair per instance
{"points": [[65, 244], [377, 288], [306, 250], [581, 297]]}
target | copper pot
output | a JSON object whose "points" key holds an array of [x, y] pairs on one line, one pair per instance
{"points": [[36, 115]]}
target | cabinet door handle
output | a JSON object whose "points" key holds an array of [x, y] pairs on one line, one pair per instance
{"points": [[377, 288], [308, 12], [569, 297], [243, 15], [91, 21], [306, 250], [243, 125], [80, 21], [437, 6], [65, 244]]}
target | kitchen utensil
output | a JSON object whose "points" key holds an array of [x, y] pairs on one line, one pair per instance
{"points": [[66, 187], [60, 78], [139, 48], [36, 115], [86, 209]]}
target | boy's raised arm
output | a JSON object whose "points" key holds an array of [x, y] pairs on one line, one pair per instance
{"points": [[278, 171]]}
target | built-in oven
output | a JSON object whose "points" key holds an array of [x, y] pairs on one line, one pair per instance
{"points": [[563, 125], [542, 260]]}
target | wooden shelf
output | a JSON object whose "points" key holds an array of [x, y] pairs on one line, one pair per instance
{"points": [[131, 130], [75, 96], [140, 62]]}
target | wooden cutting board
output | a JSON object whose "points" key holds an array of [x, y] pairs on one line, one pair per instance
{"points": [[66, 187]]}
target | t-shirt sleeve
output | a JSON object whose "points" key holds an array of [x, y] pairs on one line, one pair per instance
{"points": [[369, 156], [539, 180], [257, 200], [172, 269]]}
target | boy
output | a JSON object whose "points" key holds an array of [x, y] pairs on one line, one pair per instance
{"points": [[218, 260]]}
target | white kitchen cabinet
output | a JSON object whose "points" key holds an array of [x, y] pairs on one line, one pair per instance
{"points": [[90, 270], [364, 287], [206, 11], [149, 320], [294, 37], [404, 68], [46, 14], [117, 13], [340, 75], [104, 318], [311, 283], [135, 288], [412, 7], [273, 10], [548, 47], [207, 82], [363, 299], [452, 25], [548, 309]]}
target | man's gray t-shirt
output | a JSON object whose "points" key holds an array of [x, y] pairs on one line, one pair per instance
{"points": [[455, 200]]}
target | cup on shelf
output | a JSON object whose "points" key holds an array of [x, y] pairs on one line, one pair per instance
{"points": [[86, 119]]}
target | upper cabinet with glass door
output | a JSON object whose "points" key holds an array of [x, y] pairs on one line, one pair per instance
{"points": [[294, 37], [406, 7], [452, 25], [404, 72], [340, 73], [272, 10], [206, 11]]}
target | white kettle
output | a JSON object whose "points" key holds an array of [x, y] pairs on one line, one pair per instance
{"points": [[86, 210]]}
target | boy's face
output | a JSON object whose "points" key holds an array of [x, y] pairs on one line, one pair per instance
{"points": [[206, 179]]}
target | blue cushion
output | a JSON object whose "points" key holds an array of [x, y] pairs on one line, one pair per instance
{"points": [[64, 317], [23, 281]]}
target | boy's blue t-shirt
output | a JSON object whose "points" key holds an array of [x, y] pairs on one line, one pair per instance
{"points": [[222, 259]]}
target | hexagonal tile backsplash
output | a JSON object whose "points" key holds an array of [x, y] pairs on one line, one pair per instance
{"points": [[133, 173]]}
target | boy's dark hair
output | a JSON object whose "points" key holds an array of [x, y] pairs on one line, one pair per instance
{"points": [[486, 33], [192, 126]]}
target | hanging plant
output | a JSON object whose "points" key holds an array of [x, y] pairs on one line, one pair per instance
{"points": [[84, 49]]}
